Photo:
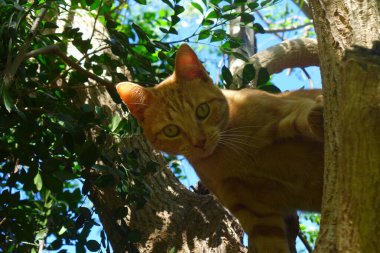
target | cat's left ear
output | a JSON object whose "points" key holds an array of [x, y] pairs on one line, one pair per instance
{"points": [[136, 97], [187, 65]]}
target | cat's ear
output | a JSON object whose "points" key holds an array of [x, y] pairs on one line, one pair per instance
{"points": [[188, 66], [136, 97]]}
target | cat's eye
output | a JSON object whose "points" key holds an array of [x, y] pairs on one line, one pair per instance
{"points": [[171, 131], [202, 111]]}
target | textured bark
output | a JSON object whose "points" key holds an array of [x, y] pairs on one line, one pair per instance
{"points": [[347, 31], [288, 54], [173, 217]]}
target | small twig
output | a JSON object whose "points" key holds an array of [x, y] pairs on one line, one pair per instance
{"points": [[11, 69], [3, 220], [96, 19], [311, 85], [54, 49], [305, 242], [288, 29], [267, 23], [78, 62], [304, 7], [41, 246]]}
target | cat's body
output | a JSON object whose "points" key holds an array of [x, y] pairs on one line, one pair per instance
{"points": [[261, 154]]}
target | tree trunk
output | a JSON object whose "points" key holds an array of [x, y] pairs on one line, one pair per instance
{"points": [[350, 65], [173, 217]]}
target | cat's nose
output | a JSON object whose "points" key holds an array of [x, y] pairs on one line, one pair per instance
{"points": [[200, 143]]}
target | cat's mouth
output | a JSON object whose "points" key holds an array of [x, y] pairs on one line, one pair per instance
{"points": [[205, 150]]}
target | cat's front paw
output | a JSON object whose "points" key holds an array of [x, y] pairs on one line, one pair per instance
{"points": [[315, 118]]}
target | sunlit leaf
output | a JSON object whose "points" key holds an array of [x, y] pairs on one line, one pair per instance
{"points": [[38, 181], [197, 6]]}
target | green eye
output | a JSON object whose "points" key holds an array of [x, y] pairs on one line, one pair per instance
{"points": [[171, 131], [202, 111]]}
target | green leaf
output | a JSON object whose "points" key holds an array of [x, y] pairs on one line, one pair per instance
{"points": [[62, 230], [41, 235], [197, 6], [175, 19], [249, 73], [263, 77], [98, 70], [140, 32], [50, 25], [172, 30], [253, 5], [82, 45], [173, 250], [228, 7], [164, 30], [116, 119], [38, 181], [85, 212], [92, 245], [240, 56], [212, 15], [204, 34], [258, 28], [247, 18], [227, 76], [143, 2], [8, 101], [269, 88], [178, 9], [168, 3]]}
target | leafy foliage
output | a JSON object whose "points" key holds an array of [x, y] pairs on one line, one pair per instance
{"points": [[55, 143]]}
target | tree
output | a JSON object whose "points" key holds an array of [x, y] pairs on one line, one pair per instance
{"points": [[348, 38], [63, 136]]}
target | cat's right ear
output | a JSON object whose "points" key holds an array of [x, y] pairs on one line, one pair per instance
{"points": [[136, 97]]}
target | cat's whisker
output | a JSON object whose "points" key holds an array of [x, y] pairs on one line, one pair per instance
{"points": [[241, 138], [234, 145], [243, 128], [240, 135], [231, 146], [241, 142]]}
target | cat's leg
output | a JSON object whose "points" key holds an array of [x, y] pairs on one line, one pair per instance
{"points": [[304, 118], [266, 234], [315, 118], [263, 222]]}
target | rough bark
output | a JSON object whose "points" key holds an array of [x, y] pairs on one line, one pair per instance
{"points": [[350, 67], [173, 217], [288, 54]]}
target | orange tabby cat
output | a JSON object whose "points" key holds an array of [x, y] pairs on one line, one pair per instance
{"points": [[261, 154]]}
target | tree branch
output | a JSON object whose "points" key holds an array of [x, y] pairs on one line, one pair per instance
{"points": [[54, 49], [288, 54], [305, 242], [304, 7], [11, 69], [288, 28]]}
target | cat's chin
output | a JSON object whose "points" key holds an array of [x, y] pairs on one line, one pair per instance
{"points": [[199, 153]]}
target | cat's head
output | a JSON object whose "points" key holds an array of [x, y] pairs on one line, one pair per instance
{"points": [[185, 113]]}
